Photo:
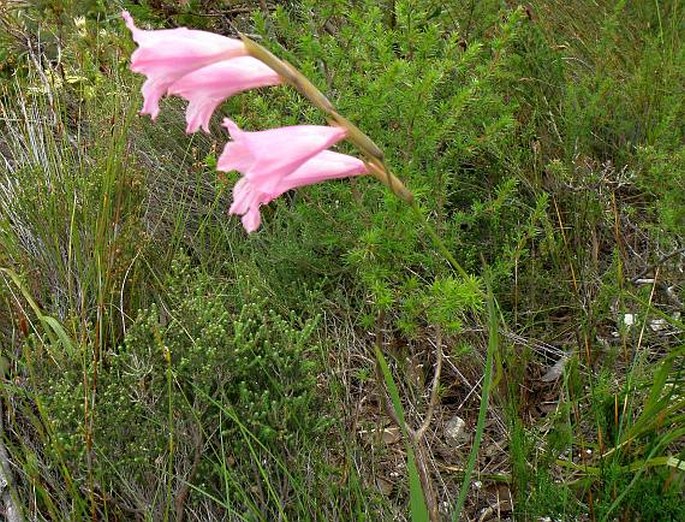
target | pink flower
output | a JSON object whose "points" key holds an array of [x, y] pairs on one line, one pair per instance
{"points": [[248, 195], [167, 55], [266, 157], [207, 87]]}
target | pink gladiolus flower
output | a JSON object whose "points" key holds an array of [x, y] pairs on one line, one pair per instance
{"points": [[166, 55], [248, 195], [207, 87], [267, 157]]}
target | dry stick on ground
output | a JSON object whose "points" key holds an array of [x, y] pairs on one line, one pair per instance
{"points": [[668, 291], [417, 437], [658, 263]]}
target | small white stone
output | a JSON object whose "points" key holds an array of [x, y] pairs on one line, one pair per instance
{"points": [[658, 324], [645, 281], [454, 431]]}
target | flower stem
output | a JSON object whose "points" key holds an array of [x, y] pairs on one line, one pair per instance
{"points": [[375, 159], [493, 343], [439, 243]]}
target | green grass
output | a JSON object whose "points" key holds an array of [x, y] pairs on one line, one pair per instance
{"points": [[157, 363]]}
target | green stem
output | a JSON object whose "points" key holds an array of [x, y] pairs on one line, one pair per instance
{"points": [[374, 155], [377, 167], [439, 243], [482, 412]]}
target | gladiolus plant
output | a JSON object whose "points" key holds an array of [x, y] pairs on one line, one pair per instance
{"points": [[206, 69]]}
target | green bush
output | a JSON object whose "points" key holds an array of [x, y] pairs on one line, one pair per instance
{"points": [[184, 371]]}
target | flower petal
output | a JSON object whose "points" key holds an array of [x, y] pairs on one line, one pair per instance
{"points": [[266, 157], [251, 220], [166, 55], [249, 195], [244, 197], [324, 166], [207, 87]]}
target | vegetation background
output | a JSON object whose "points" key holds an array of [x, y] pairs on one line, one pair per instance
{"points": [[159, 364]]}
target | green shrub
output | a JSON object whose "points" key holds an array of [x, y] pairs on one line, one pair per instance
{"points": [[164, 394]]}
